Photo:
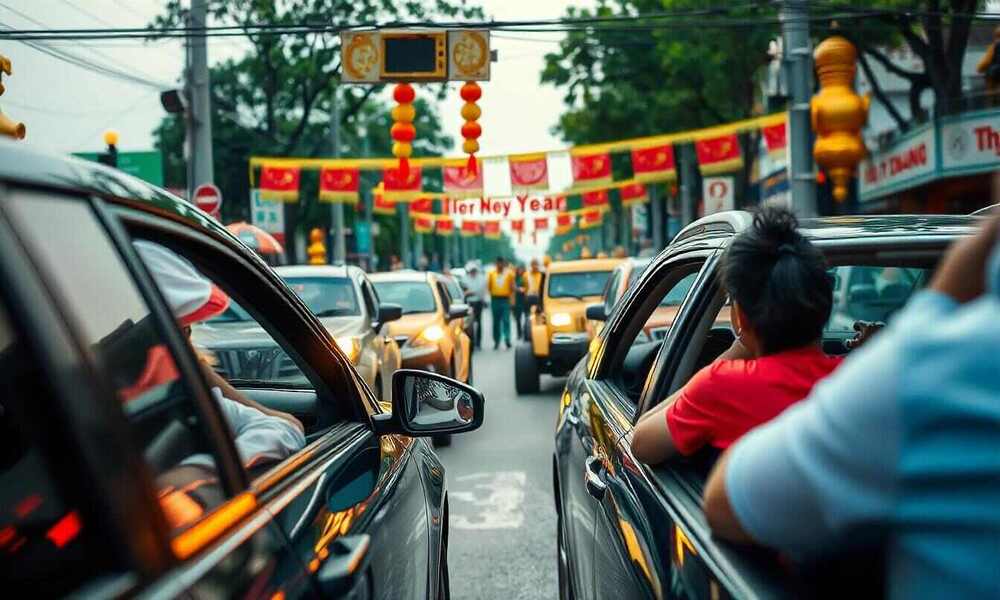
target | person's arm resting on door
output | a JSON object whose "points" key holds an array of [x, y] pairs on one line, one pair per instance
{"points": [[677, 426]]}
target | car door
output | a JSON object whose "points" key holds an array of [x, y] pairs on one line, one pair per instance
{"points": [[629, 555], [456, 332], [354, 507], [156, 412]]}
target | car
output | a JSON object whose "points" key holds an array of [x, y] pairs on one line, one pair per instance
{"points": [[558, 334], [457, 295], [348, 306], [431, 333], [108, 421], [630, 530], [623, 276]]}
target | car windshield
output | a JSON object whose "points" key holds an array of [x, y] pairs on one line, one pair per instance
{"points": [[413, 296], [867, 293], [327, 296], [577, 285]]}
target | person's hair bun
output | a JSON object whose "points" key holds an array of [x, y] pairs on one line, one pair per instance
{"points": [[776, 225]]}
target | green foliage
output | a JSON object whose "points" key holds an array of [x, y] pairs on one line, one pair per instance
{"points": [[625, 84], [276, 99]]}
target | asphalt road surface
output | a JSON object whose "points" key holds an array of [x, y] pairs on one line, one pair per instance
{"points": [[503, 521]]}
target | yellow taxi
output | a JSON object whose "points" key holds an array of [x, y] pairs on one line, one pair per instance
{"points": [[558, 332]]}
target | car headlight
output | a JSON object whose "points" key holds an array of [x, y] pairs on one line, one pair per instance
{"points": [[349, 345], [432, 334], [561, 319]]}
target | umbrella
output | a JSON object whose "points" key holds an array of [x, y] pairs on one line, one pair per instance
{"points": [[255, 237]]}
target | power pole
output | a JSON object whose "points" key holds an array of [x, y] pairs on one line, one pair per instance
{"points": [[403, 210], [199, 86], [656, 218], [368, 200], [689, 183], [339, 253], [794, 17]]}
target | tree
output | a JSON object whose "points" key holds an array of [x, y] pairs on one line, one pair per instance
{"points": [[277, 99]]}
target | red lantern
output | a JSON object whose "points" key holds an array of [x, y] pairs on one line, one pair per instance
{"points": [[471, 130], [403, 132]]}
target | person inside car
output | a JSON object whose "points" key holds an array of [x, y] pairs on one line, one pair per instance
{"points": [[263, 436], [781, 298], [900, 445]]}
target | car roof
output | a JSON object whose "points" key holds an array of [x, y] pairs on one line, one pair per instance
{"points": [[340, 271], [406, 275], [729, 223], [586, 264]]}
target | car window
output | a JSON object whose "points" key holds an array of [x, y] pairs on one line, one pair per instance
{"points": [[454, 290], [127, 344], [370, 298], [45, 541], [577, 285], [658, 323], [870, 293], [413, 296], [327, 296], [611, 292]]}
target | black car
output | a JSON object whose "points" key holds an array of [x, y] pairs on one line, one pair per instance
{"points": [[105, 404], [628, 530]]}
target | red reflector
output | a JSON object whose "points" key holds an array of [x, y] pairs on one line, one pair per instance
{"points": [[27, 506], [64, 530]]}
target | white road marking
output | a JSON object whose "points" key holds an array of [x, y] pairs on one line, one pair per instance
{"points": [[492, 500]]}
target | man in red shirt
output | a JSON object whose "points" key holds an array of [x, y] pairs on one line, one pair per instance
{"points": [[781, 299]]}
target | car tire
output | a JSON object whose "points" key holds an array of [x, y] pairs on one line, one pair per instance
{"points": [[565, 588], [444, 584], [525, 369]]}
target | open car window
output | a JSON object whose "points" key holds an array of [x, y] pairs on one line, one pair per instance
{"points": [[126, 340]]}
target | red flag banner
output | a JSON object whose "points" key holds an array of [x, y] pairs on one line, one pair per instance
{"points": [[598, 199], [339, 185], [633, 193], [423, 224], [402, 188], [383, 206], [718, 155], [422, 206], [459, 182], [279, 183], [517, 225], [542, 224], [775, 138], [591, 218], [564, 222], [528, 173], [491, 230], [655, 163], [470, 228], [445, 227], [591, 169]]}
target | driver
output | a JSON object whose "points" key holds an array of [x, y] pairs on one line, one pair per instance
{"points": [[262, 435], [781, 298]]}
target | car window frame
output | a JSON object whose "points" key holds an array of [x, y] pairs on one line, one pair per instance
{"points": [[191, 242]]}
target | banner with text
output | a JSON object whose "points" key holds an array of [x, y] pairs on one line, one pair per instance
{"points": [[906, 163]]}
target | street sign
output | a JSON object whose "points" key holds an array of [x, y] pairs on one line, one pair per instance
{"points": [[718, 194], [269, 216], [147, 166], [208, 198]]}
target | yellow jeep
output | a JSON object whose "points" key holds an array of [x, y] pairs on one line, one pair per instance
{"points": [[559, 334]]}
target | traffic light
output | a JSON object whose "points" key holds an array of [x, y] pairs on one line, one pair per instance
{"points": [[838, 114], [110, 157], [8, 126]]}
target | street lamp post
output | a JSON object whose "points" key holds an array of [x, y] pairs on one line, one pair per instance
{"points": [[794, 17]]}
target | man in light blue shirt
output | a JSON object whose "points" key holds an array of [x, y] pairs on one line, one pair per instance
{"points": [[901, 444]]}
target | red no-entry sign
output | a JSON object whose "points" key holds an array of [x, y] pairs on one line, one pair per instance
{"points": [[208, 198]]}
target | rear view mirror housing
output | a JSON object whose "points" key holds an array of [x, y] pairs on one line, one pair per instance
{"points": [[458, 311], [595, 312], [388, 312], [426, 404]]}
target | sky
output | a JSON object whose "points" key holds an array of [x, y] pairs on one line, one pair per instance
{"points": [[67, 108]]}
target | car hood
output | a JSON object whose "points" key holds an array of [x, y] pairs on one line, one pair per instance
{"points": [[411, 325], [338, 326]]}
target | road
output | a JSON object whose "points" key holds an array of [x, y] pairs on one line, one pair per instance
{"points": [[503, 521]]}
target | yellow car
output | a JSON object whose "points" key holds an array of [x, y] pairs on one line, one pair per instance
{"points": [[559, 335]]}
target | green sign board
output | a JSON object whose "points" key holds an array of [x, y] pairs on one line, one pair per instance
{"points": [[147, 166]]}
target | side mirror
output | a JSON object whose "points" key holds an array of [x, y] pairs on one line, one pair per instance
{"points": [[458, 311], [426, 404], [388, 312], [471, 298], [595, 312]]}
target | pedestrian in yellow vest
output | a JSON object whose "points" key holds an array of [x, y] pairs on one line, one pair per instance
{"points": [[501, 285]]}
